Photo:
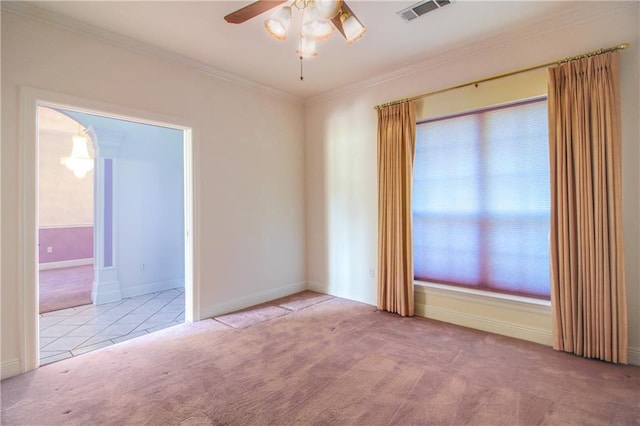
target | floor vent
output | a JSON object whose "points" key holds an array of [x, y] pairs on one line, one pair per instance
{"points": [[419, 9]]}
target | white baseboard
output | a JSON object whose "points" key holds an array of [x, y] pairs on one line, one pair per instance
{"points": [[634, 355], [65, 264], [151, 287], [10, 368], [490, 325], [354, 294], [513, 318], [253, 299]]}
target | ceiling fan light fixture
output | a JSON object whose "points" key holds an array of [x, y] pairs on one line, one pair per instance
{"points": [[313, 26], [278, 24], [306, 48], [353, 28], [320, 18], [327, 9]]}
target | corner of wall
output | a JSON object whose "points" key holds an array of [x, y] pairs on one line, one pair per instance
{"points": [[317, 287], [253, 299]]}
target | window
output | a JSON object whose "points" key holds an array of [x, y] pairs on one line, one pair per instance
{"points": [[481, 200]]}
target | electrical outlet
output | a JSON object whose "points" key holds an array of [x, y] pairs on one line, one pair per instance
{"points": [[142, 266], [49, 249], [372, 272]]}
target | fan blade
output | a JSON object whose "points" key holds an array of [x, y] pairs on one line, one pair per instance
{"points": [[252, 10], [338, 23]]}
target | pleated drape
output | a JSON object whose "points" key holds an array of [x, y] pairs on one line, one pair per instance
{"points": [[588, 292], [396, 150]]}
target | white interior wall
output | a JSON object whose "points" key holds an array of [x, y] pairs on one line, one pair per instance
{"points": [[149, 207], [340, 153], [148, 195], [248, 157]]}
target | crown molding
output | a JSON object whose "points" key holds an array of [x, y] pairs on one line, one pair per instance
{"points": [[540, 27], [514, 36], [34, 12]]}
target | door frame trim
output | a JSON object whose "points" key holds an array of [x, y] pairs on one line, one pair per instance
{"points": [[30, 98]]}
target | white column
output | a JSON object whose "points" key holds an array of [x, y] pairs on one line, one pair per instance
{"points": [[106, 287]]}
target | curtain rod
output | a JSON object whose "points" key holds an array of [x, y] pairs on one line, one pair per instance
{"points": [[508, 74]]}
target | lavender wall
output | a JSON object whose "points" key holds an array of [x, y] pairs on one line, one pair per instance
{"points": [[68, 243], [108, 213]]}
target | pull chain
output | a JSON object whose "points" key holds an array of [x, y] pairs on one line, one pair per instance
{"points": [[301, 77]]}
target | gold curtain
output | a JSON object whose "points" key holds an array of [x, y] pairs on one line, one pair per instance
{"points": [[396, 149], [588, 293]]}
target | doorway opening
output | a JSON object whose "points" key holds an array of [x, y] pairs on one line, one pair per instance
{"points": [[141, 267], [65, 212]]}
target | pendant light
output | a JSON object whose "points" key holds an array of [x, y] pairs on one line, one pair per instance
{"points": [[79, 161]]}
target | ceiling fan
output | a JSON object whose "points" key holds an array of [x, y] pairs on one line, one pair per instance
{"points": [[319, 19]]}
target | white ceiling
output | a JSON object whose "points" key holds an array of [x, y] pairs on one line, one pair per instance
{"points": [[196, 33]]}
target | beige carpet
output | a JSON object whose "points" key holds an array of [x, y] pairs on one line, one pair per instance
{"points": [[252, 316], [274, 309], [65, 288], [336, 362], [301, 300]]}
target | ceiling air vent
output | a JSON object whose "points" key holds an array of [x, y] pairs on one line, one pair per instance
{"points": [[419, 9]]}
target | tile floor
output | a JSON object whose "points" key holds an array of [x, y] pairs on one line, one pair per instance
{"points": [[74, 331]]}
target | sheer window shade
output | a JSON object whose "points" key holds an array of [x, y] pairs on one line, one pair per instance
{"points": [[481, 200]]}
